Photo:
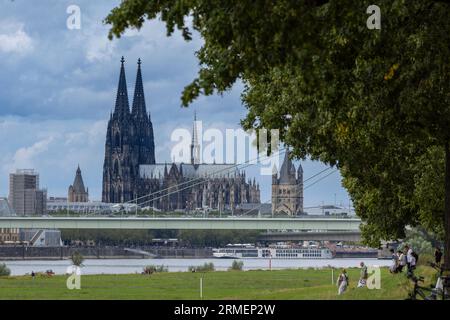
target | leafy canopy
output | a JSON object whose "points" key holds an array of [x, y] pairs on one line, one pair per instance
{"points": [[375, 103]]}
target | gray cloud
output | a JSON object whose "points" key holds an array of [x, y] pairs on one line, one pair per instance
{"points": [[58, 87]]}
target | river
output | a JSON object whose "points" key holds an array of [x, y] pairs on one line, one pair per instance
{"points": [[127, 266]]}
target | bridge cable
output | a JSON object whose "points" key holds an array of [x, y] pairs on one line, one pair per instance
{"points": [[313, 176]]}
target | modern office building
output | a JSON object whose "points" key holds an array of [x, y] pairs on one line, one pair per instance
{"points": [[25, 197]]}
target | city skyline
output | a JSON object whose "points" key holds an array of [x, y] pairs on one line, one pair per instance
{"points": [[64, 96]]}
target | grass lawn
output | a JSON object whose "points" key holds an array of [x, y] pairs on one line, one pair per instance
{"points": [[283, 284]]}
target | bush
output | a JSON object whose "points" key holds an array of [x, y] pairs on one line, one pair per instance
{"points": [[154, 269], [419, 240], [77, 259], [204, 268], [4, 270], [237, 265]]}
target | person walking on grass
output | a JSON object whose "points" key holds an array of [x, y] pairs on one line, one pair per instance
{"points": [[342, 282], [363, 276]]}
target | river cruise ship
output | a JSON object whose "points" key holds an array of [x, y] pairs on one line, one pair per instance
{"points": [[242, 251]]}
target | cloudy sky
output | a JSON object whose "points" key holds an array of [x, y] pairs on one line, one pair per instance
{"points": [[58, 86]]}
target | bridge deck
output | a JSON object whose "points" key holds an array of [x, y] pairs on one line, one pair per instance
{"points": [[348, 224]]}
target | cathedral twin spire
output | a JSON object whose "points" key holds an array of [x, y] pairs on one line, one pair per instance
{"points": [[139, 109], [122, 108]]}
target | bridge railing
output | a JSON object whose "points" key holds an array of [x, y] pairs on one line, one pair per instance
{"points": [[205, 215]]}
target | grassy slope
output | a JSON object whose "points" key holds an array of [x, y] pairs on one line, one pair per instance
{"points": [[283, 284]]}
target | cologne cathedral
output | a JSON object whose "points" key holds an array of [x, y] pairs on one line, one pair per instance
{"points": [[131, 174]]}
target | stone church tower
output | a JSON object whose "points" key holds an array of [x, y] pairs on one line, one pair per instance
{"points": [[77, 192], [287, 189], [129, 142]]}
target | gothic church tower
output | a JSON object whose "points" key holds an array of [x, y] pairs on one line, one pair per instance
{"points": [[129, 142], [143, 127], [287, 188], [77, 192]]}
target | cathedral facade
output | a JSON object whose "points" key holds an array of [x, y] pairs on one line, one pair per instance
{"points": [[287, 188], [131, 174]]}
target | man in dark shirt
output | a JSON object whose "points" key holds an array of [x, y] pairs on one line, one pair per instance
{"points": [[438, 256]]}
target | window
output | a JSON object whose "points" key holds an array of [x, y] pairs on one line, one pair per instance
{"points": [[117, 140], [116, 167]]}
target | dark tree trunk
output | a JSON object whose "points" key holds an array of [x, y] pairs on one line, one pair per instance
{"points": [[447, 209]]}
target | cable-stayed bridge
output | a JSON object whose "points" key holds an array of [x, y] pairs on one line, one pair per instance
{"points": [[241, 222], [236, 223]]}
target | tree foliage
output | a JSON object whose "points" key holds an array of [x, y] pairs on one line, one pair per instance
{"points": [[77, 259], [4, 270], [237, 265], [375, 103]]}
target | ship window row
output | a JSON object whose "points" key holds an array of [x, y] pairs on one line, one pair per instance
{"points": [[299, 251], [240, 251], [310, 255], [286, 255]]}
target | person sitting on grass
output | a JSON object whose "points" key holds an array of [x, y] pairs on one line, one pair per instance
{"points": [[363, 276], [394, 266], [342, 282]]}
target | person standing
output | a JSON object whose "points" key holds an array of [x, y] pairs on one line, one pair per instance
{"points": [[363, 275], [342, 282], [438, 256], [408, 253], [411, 259]]}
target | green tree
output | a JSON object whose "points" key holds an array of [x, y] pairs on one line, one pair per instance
{"points": [[372, 102], [419, 241], [77, 259], [4, 270]]}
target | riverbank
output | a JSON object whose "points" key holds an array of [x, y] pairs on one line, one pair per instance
{"points": [[252, 285], [129, 266]]}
